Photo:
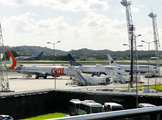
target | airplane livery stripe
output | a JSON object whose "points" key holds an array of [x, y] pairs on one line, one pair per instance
{"points": [[13, 59]]}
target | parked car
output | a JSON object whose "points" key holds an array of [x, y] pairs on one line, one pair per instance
{"points": [[74, 107], [90, 106], [145, 105], [111, 106], [148, 75], [5, 117]]}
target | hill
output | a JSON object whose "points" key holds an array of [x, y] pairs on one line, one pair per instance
{"points": [[35, 50]]}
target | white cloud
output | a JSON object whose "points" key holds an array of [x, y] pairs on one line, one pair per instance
{"points": [[64, 5], [133, 9], [91, 32], [141, 6]]}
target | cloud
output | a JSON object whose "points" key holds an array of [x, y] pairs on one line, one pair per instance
{"points": [[133, 9], [94, 29], [64, 5], [141, 6]]}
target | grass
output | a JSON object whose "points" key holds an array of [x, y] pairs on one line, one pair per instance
{"points": [[158, 87], [46, 116]]}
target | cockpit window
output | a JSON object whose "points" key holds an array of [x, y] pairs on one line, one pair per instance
{"points": [[119, 68], [154, 67]]}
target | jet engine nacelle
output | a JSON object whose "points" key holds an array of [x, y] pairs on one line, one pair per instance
{"points": [[42, 74], [96, 73]]}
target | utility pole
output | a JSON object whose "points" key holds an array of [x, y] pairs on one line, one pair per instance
{"points": [[131, 71]]}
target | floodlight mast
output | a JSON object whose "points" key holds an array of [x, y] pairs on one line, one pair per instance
{"points": [[127, 4], [130, 29], [156, 39], [4, 82]]}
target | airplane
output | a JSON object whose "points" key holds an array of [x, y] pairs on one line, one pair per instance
{"points": [[30, 57], [140, 68], [92, 69], [39, 71]]}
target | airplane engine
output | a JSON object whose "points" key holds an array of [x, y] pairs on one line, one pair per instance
{"points": [[96, 73], [44, 75]]}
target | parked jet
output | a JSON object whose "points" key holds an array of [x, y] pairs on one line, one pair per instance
{"points": [[30, 57], [140, 68], [92, 69], [39, 71]]}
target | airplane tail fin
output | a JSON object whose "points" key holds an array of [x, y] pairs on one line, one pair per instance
{"points": [[111, 61], [40, 55], [13, 62], [72, 61]]}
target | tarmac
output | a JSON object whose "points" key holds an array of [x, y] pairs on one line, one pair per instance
{"points": [[19, 82]]}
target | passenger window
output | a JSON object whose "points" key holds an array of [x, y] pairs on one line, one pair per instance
{"points": [[108, 107], [88, 110]]}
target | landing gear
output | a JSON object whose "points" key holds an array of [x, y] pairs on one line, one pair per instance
{"points": [[36, 77], [45, 77]]}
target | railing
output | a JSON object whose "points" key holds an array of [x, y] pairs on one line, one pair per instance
{"points": [[152, 113]]}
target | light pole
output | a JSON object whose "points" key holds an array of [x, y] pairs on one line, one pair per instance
{"points": [[136, 68], [148, 58], [54, 56], [54, 48]]}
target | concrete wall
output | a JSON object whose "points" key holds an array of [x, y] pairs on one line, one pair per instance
{"points": [[28, 105]]}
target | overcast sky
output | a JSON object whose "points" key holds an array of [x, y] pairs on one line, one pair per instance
{"points": [[92, 24]]}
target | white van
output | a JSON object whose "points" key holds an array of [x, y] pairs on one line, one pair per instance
{"points": [[145, 105], [90, 106], [74, 107], [111, 106]]}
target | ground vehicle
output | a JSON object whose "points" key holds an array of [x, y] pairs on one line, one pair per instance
{"points": [[148, 75], [111, 106], [74, 106], [145, 105], [90, 106], [126, 77], [5, 117]]}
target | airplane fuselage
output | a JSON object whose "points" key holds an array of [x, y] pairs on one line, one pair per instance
{"points": [[48, 70], [91, 69], [140, 68]]}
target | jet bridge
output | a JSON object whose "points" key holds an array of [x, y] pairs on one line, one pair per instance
{"points": [[111, 73], [84, 79]]}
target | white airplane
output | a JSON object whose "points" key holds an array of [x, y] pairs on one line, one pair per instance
{"points": [[92, 69], [39, 71], [140, 68]]}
